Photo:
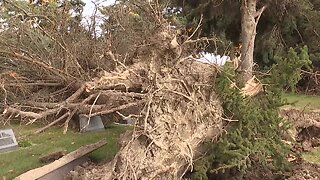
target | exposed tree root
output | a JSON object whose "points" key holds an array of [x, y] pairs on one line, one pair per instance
{"points": [[150, 75]]}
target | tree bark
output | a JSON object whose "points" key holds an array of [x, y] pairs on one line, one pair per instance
{"points": [[248, 34]]}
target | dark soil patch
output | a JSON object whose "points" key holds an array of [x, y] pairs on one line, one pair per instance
{"points": [[309, 138]]}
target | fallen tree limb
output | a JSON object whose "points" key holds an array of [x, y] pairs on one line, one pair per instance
{"points": [[76, 94], [66, 123], [108, 111], [42, 104], [45, 114], [123, 94], [52, 123], [11, 110], [35, 116], [34, 84], [83, 108], [20, 57]]}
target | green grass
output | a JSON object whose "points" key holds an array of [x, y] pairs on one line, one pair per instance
{"points": [[300, 101], [313, 156], [34, 146]]}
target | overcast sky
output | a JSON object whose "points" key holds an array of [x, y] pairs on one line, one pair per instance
{"points": [[89, 10]]}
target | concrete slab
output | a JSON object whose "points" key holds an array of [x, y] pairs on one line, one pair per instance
{"points": [[95, 123], [8, 141]]}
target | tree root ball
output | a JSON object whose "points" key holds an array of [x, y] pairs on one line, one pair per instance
{"points": [[181, 114]]}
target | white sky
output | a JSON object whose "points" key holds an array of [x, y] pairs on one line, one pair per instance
{"points": [[89, 10]]}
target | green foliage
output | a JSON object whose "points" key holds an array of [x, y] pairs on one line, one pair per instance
{"points": [[256, 136], [313, 156], [283, 24], [287, 70]]}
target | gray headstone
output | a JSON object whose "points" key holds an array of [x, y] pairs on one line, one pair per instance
{"points": [[8, 141], [95, 123]]}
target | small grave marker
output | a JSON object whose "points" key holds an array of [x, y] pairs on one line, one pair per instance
{"points": [[95, 123], [8, 141]]}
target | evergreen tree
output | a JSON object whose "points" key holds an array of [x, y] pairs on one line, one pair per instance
{"points": [[282, 25]]}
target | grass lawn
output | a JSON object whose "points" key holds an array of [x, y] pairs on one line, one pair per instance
{"points": [[34, 146], [300, 101], [313, 156]]}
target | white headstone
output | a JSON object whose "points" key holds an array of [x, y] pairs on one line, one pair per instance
{"points": [[8, 141]]}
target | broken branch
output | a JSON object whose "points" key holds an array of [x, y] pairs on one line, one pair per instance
{"points": [[52, 123], [125, 106], [12, 110]]}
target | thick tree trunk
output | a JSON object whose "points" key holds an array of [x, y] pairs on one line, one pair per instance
{"points": [[248, 34], [249, 21]]}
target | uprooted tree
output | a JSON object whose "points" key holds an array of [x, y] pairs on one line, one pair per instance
{"points": [[53, 69]]}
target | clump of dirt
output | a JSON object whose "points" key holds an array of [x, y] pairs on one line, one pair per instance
{"points": [[306, 125], [302, 118], [309, 138], [179, 119], [181, 113], [300, 171]]}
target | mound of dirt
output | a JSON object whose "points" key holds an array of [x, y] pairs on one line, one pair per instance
{"points": [[306, 128], [306, 125]]}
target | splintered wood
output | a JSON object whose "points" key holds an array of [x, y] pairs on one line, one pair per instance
{"points": [[252, 87]]}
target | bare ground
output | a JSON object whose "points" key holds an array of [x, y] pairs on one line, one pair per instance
{"points": [[307, 125]]}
